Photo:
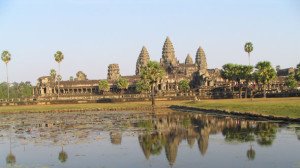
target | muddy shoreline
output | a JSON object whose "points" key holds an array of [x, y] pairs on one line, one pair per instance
{"points": [[89, 110], [245, 115]]}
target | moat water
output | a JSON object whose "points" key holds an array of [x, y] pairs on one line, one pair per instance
{"points": [[142, 139]]}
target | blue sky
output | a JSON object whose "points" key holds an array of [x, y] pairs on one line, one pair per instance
{"points": [[95, 33]]}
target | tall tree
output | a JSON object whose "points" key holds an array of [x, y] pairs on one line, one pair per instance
{"points": [[246, 74], [291, 81], [122, 84], [103, 86], [184, 85], [58, 56], [53, 74], [230, 72], [142, 86], [248, 48], [265, 73], [151, 74], [6, 57], [297, 73]]}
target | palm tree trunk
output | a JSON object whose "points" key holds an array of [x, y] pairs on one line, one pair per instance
{"points": [[246, 92], [249, 58], [240, 90], [58, 80], [7, 82], [153, 96], [265, 93]]}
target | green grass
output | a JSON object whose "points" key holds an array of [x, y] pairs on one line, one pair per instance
{"points": [[282, 107]]}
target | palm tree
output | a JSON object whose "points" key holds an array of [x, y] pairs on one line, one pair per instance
{"points": [[53, 74], [152, 73], [228, 73], [103, 86], [248, 48], [246, 74], [122, 84], [297, 73], [6, 57], [291, 82], [265, 73], [58, 56]]}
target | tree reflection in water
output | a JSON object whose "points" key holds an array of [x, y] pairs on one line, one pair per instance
{"points": [[115, 137], [157, 132], [170, 130], [10, 158], [266, 133], [62, 156], [251, 153], [297, 130]]}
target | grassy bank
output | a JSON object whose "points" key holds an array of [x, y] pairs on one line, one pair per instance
{"points": [[85, 107], [282, 107]]}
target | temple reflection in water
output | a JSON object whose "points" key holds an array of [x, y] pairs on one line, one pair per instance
{"points": [[157, 133], [168, 131]]}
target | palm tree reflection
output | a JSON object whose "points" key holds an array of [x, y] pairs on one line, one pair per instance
{"points": [[266, 134], [251, 153], [62, 156], [10, 158], [151, 144], [297, 130]]}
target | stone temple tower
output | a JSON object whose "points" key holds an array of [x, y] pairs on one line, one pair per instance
{"points": [[168, 60], [113, 72], [201, 61], [188, 60], [142, 60]]}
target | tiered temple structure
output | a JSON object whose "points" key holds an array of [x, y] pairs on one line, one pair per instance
{"points": [[113, 72], [203, 81], [142, 60]]}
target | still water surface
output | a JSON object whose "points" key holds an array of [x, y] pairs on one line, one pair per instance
{"points": [[140, 139]]}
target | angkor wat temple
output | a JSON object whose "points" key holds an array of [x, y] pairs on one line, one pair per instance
{"points": [[205, 83]]}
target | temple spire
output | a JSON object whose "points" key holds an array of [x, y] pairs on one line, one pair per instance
{"points": [[188, 59], [142, 60], [168, 59], [201, 60]]}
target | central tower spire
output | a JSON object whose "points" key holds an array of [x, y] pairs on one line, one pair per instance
{"points": [[142, 60], [201, 60], [168, 59]]}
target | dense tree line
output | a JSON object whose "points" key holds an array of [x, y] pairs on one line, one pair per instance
{"points": [[16, 90]]}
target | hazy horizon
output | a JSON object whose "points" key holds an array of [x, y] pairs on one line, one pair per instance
{"points": [[93, 34]]}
